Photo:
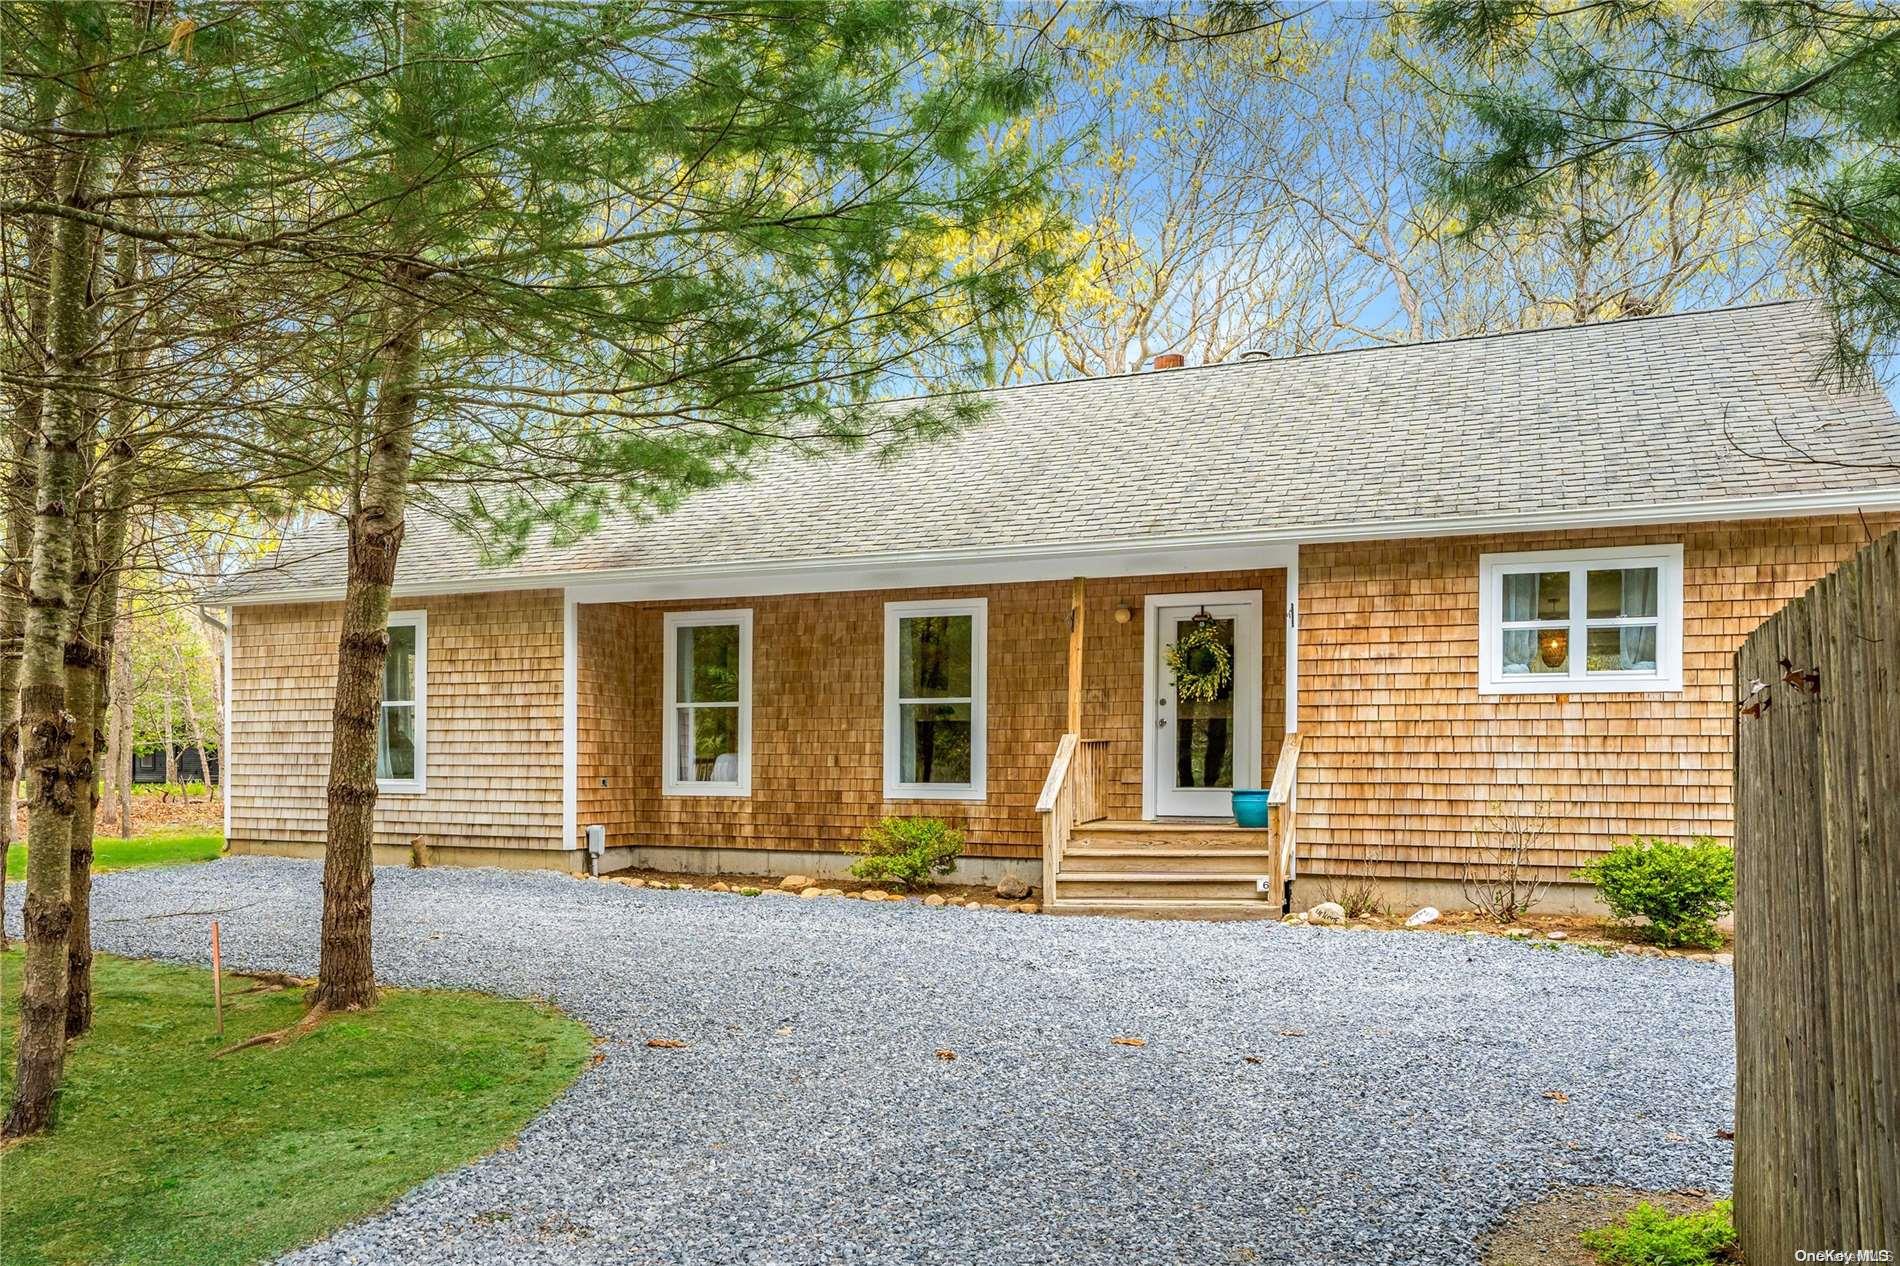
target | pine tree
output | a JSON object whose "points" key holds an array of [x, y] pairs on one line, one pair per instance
{"points": [[1704, 97]]}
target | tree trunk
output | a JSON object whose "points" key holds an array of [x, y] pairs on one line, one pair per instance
{"points": [[122, 719], [214, 637], [346, 971], [45, 722], [346, 974], [23, 478], [193, 728], [82, 743], [89, 644], [171, 751]]}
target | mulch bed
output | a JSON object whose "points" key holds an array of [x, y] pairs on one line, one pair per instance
{"points": [[150, 813], [1545, 1233], [1578, 929]]}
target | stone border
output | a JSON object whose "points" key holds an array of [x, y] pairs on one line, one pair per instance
{"points": [[805, 888]]}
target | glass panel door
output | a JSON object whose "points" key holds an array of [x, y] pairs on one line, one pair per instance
{"points": [[1205, 715]]}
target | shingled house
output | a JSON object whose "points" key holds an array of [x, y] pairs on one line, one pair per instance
{"points": [[1498, 575]]}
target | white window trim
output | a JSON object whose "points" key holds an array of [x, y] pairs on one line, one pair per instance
{"points": [[1667, 678], [976, 789], [419, 620], [669, 697]]}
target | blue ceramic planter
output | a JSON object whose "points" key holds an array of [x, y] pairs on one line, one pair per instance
{"points": [[1250, 807]]}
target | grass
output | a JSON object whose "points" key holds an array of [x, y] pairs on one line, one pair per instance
{"points": [[166, 848], [163, 1154]]}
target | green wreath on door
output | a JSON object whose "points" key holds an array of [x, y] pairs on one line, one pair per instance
{"points": [[1201, 662]]}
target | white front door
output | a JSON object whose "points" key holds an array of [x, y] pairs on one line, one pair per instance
{"points": [[1203, 726]]}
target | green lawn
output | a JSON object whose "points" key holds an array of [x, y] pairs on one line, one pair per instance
{"points": [[162, 1154], [166, 848]]}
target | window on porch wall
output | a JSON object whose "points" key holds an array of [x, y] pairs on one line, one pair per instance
{"points": [[935, 709], [708, 736]]}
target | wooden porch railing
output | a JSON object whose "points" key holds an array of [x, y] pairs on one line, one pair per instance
{"points": [[1070, 795], [1282, 798]]}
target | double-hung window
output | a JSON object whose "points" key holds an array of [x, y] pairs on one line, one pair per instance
{"points": [[935, 711], [707, 743], [400, 722], [1580, 621]]}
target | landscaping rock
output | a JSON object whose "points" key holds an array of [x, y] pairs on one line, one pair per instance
{"points": [[1557, 936], [810, 893], [1012, 888], [1330, 912], [796, 883], [933, 899], [1518, 934], [875, 894], [719, 887], [1422, 916]]}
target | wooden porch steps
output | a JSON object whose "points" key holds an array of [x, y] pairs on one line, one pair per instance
{"points": [[1204, 870], [1143, 908], [1084, 860]]}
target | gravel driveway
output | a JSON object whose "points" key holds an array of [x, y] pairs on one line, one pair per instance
{"points": [[1304, 1094]]}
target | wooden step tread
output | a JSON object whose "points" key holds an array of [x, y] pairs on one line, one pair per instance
{"points": [[1201, 908], [1155, 877], [1182, 825], [1137, 903], [1084, 851]]}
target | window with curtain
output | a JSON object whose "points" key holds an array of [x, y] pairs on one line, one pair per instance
{"points": [[935, 710], [1581, 620], [708, 739], [400, 763]]}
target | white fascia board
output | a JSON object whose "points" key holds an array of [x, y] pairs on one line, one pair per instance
{"points": [[1240, 551]]}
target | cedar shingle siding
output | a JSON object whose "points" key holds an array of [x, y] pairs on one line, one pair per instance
{"points": [[493, 717], [818, 709], [1401, 756]]}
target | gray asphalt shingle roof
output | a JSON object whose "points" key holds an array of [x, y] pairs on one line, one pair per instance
{"points": [[1573, 421]]}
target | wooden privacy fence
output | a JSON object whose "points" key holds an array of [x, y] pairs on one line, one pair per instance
{"points": [[1817, 940]]}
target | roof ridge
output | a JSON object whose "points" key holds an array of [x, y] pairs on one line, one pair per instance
{"points": [[1253, 359]]}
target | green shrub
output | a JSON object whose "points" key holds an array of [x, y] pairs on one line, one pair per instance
{"points": [[1648, 1236], [1682, 889], [908, 852]]}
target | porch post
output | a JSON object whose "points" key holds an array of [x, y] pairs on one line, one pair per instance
{"points": [[1076, 595], [1292, 667]]}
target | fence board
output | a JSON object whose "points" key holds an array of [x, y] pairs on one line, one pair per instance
{"points": [[1817, 956]]}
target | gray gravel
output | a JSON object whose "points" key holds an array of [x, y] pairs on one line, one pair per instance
{"points": [[1398, 1107]]}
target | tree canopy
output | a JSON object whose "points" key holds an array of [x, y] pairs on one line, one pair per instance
{"points": [[1695, 99]]}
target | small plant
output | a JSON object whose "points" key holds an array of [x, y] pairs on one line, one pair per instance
{"points": [[1649, 1236], [750, 892], [1682, 889], [1500, 878], [1357, 891], [908, 852]]}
